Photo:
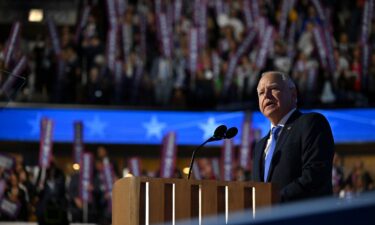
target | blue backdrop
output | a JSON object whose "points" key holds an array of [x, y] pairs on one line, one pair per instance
{"points": [[148, 127]]}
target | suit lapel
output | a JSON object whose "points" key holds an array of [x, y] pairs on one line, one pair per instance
{"points": [[258, 157], [288, 127]]}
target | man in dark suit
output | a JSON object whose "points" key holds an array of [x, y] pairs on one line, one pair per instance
{"points": [[297, 153]]}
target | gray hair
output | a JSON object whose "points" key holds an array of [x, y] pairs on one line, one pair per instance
{"points": [[287, 79]]}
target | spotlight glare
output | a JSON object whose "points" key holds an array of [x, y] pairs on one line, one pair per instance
{"points": [[76, 166], [35, 15], [185, 170]]}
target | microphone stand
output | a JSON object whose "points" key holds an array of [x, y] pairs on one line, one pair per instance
{"points": [[219, 134], [193, 156]]}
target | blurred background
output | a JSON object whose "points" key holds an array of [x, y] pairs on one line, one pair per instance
{"points": [[132, 87]]}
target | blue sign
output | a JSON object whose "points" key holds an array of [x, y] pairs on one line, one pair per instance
{"points": [[149, 127]]}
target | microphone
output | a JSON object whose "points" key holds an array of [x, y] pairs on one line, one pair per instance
{"points": [[231, 133], [219, 134]]}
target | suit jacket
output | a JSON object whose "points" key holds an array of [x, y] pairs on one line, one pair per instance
{"points": [[301, 165]]}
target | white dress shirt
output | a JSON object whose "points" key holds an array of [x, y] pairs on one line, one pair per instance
{"points": [[281, 123]]}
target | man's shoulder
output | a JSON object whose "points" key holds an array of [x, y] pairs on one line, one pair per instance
{"points": [[313, 120], [313, 116]]}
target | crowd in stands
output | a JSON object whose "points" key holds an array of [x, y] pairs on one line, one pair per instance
{"points": [[352, 183], [56, 200], [143, 73]]}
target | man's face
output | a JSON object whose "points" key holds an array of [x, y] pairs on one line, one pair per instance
{"points": [[276, 99]]}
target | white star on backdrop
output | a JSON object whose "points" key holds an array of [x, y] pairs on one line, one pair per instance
{"points": [[208, 128], [154, 127], [35, 124], [95, 127]]}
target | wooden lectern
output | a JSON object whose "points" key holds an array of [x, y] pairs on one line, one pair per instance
{"points": [[142, 200]]}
